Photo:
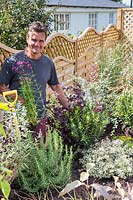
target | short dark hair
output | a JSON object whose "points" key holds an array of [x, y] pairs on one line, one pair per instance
{"points": [[38, 27]]}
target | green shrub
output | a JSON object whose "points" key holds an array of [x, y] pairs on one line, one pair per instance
{"points": [[123, 109], [87, 125], [111, 158], [48, 165]]}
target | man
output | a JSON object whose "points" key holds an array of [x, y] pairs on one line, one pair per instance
{"points": [[32, 62]]}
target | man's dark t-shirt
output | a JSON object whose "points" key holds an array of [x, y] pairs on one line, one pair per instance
{"points": [[41, 71]]}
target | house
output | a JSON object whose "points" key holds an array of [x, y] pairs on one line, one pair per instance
{"points": [[74, 16]]}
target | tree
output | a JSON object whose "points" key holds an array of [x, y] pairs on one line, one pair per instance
{"points": [[15, 17]]}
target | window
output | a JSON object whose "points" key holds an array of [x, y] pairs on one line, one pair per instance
{"points": [[61, 22], [93, 20], [111, 18]]}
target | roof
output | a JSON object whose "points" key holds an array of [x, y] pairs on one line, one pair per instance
{"points": [[87, 3]]}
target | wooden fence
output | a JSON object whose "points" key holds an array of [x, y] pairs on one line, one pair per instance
{"points": [[125, 23], [77, 56], [74, 57]]}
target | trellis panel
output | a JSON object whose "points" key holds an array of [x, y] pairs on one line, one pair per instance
{"points": [[125, 22], [110, 36], [5, 52], [60, 45], [89, 38]]}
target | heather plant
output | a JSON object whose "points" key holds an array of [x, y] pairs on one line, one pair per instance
{"points": [[111, 158], [29, 90], [47, 165]]}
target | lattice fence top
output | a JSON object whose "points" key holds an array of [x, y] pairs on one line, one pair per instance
{"points": [[90, 38], [110, 35], [125, 18], [60, 45]]}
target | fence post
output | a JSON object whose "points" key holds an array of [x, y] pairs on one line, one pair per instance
{"points": [[119, 19], [76, 57]]}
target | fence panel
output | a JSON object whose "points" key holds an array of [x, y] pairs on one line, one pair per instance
{"points": [[59, 45], [125, 22], [5, 52]]}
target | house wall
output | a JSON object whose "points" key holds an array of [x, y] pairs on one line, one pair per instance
{"points": [[79, 18]]}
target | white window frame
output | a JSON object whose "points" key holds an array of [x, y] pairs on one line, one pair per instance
{"points": [[92, 20], [111, 17], [61, 21]]}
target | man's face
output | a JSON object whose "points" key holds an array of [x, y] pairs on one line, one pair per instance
{"points": [[36, 42]]}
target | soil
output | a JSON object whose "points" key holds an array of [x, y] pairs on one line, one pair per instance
{"points": [[81, 193]]}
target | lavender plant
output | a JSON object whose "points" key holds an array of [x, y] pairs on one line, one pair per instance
{"points": [[47, 165]]}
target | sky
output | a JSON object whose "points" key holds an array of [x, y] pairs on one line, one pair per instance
{"points": [[127, 2]]}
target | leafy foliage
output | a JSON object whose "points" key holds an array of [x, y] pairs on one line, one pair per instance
{"points": [[123, 109], [4, 183], [113, 80], [84, 124], [15, 17], [48, 165], [14, 149]]}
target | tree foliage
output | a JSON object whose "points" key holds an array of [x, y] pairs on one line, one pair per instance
{"points": [[15, 17]]}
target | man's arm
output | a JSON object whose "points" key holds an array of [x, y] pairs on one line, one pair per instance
{"points": [[60, 95]]}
